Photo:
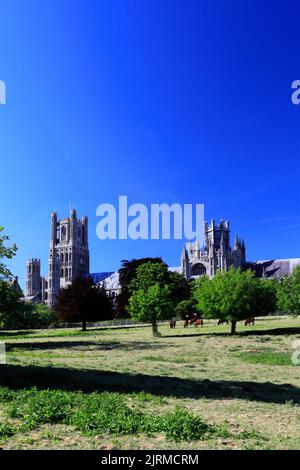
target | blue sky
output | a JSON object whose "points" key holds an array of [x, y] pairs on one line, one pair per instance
{"points": [[162, 101]]}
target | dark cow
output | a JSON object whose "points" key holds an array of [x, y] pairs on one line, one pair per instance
{"points": [[172, 323], [249, 321], [221, 322]]}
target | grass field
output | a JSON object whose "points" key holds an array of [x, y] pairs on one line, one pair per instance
{"points": [[122, 389]]}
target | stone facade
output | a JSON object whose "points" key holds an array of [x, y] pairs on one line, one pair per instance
{"points": [[217, 254], [68, 258]]}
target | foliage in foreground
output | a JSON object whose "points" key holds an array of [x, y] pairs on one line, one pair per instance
{"points": [[98, 414]]}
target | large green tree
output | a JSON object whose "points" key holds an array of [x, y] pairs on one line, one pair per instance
{"points": [[127, 273], [234, 296], [5, 252], [83, 301], [151, 305], [288, 293], [170, 289]]}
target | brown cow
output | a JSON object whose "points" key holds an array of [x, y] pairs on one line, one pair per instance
{"points": [[199, 322], [172, 323], [220, 322], [185, 323], [249, 321]]}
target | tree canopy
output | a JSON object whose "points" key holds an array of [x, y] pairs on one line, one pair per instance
{"points": [[83, 301], [288, 293], [151, 305], [5, 252], [155, 283], [127, 273], [234, 296]]}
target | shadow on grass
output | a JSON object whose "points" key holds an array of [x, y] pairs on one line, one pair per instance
{"points": [[84, 345], [253, 332], [6, 333], [18, 377]]}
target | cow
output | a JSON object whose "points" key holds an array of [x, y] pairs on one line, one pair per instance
{"points": [[172, 323], [185, 323], [220, 322], [198, 322], [249, 321]]}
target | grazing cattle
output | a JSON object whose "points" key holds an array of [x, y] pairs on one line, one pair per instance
{"points": [[199, 322], [220, 322], [172, 323], [185, 323], [249, 321]]}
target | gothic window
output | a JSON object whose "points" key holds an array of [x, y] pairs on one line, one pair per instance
{"points": [[67, 257], [62, 272], [62, 257], [63, 233], [198, 270]]}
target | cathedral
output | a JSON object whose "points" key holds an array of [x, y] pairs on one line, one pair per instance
{"points": [[216, 254], [69, 258]]}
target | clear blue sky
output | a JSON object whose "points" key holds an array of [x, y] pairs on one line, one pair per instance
{"points": [[163, 101]]}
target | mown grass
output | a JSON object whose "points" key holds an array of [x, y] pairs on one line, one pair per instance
{"points": [[188, 389]]}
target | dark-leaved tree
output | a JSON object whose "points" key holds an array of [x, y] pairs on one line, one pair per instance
{"points": [[83, 301]]}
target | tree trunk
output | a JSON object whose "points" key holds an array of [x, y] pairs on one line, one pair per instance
{"points": [[84, 326], [155, 329], [233, 327]]}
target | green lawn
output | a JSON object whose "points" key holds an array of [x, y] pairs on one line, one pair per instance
{"points": [[196, 388]]}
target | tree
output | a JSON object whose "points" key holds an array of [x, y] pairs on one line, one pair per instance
{"points": [[126, 274], [170, 289], [288, 293], [149, 274], [13, 310], [185, 307], [234, 296], [83, 301], [180, 288], [151, 305], [41, 316], [5, 252]]}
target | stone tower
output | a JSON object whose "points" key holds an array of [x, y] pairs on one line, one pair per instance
{"points": [[68, 253], [33, 278], [217, 253]]}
